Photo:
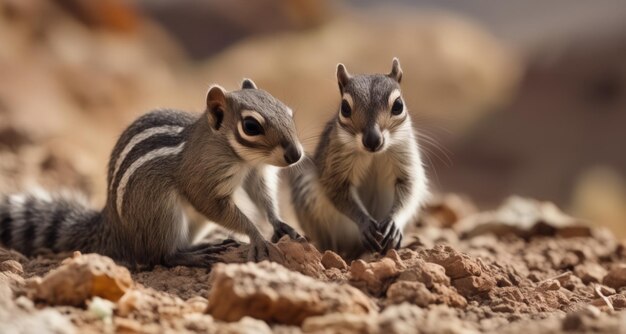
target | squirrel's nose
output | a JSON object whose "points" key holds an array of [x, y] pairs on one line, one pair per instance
{"points": [[372, 140], [292, 154]]}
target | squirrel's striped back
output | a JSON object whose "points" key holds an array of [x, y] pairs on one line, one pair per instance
{"points": [[155, 135]]}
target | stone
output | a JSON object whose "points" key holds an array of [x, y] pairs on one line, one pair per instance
{"points": [[81, 278], [616, 277], [270, 292], [333, 260], [372, 276]]}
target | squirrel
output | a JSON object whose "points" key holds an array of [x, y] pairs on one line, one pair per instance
{"points": [[163, 158], [366, 179]]}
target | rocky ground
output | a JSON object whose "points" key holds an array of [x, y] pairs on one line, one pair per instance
{"points": [[524, 267]]}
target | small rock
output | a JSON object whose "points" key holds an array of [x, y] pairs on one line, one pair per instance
{"points": [[425, 272], [245, 325], [503, 308], [449, 296], [101, 308], [24, 303], [197, 303], [333, 260], [340, 323], [372, 276], [302, 257], [549, 285], [417, 293], [457, 264], [447, 210], [568, 260], [616, 278], [573, 283], [606, 291], [334, 274], [473, 285], [413, 292], [581, 320], [590, 272], [82, 278], [129, 302], [270, 292], [395, 256], [200, 323], [618, 300]]}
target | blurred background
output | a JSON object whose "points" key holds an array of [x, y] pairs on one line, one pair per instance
{"points": [[521, 98]]}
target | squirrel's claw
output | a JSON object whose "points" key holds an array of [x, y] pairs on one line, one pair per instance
{"points": [[370, 236], [393, 235], [281, 229]]}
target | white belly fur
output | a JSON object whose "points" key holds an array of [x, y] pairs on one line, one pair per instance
{"points": [[377, 188]]}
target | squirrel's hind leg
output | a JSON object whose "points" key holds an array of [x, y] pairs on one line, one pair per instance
{"points": [[200, 255]]}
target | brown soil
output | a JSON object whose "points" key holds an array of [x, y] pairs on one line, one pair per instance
{"points": [[524, 267]]}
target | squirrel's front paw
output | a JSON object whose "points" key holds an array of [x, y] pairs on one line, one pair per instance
{"points": [[392, 235], [370, 236], [259, 250], [281, 229]]}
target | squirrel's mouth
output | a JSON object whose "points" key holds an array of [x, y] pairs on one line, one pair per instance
{"points": [[285, 156]]}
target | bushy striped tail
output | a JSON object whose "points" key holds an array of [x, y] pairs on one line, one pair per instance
{"points": [[35, 221]]}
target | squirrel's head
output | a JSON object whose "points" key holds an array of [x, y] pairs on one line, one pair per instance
{"points": [[259, 127], [372, 114]]}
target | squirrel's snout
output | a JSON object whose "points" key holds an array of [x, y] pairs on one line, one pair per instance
{"points": [[372, 140], [292, 154]]}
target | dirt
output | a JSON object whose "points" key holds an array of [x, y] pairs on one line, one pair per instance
{"points": [[536, 276]]}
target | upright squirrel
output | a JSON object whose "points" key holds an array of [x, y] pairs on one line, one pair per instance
{"points": [[366, 179]]}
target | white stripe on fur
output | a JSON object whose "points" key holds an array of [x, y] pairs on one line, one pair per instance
{"points": [[158, 153], [138, 138], [392, 97]]}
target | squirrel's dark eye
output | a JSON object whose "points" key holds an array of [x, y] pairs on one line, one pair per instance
{"points": [[252, 127], [346, 111], [397, 107]]}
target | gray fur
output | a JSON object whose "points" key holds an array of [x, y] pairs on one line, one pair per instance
{"points": [[48, 230], [350, 200], [162, 158]]}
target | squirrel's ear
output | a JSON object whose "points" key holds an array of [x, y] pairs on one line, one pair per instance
{"points": [[216, 105], [396, 70], [248, 84], [342, 76]]}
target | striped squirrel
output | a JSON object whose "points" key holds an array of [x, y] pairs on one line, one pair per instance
{"points": [[366, 179], [161, 159]]}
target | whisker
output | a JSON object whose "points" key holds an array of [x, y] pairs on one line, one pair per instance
{"points": [[432, 167], [438, 150], [433, 141], [423, 123], [314, 134]]}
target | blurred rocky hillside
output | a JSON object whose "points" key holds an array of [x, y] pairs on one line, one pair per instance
{"points": [[76, 72]]}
